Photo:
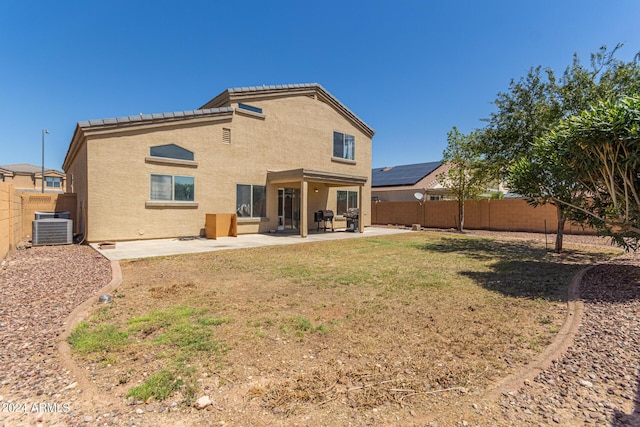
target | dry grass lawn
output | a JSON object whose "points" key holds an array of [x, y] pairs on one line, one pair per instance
{"points": [[328, 331]]}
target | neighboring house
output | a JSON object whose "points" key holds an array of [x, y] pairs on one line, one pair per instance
{"points": [[272, 154], [400, 183], [26, 177]]}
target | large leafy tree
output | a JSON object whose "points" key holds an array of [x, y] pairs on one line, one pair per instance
{"points": [[602, 147], [465, 178], [528, 110], [533, 107], [535, 103]]}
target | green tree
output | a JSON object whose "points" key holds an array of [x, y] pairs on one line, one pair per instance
{"points": [[531, 109], [602, 147], [465, 178], [528, 110], [535, 103], [608, 78]]}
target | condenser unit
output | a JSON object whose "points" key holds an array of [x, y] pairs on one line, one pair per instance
{"points": [[52, 231], [48, 215]]}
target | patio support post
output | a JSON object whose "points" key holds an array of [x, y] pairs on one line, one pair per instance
{"points": [[304, 200], [361, 204]]}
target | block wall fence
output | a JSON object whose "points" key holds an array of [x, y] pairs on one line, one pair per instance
{"points": [[17, 210], [498, 215]]}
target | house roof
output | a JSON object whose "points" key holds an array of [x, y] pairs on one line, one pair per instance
{"points": [[154, 117], [402, 175], [26, 168], [140, 119], [252, 92], [221, 104]]}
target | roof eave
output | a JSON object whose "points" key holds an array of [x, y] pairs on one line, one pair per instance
{"points": [[120, 123]]}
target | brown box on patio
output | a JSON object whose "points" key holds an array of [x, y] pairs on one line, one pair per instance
{"points": [[220, 225]]}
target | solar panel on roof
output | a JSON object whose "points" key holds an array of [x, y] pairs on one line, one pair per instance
{"points": [[402, 175]]}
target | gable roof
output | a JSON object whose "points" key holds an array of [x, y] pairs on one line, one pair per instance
{"points": [[402, 175], [237, 94], [26, 168]]}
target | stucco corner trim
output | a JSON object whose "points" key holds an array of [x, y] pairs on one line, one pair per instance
{"points": [[162, 204], [170, 162]]}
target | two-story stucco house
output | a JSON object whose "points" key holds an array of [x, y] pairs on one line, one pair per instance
{"points": [[273, 155]]}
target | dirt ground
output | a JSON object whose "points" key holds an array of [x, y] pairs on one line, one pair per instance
{"points": [[406, 360], [282, 376]]}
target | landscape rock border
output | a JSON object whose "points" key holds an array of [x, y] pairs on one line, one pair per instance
{"points": [[77, 315], [563, 340]]}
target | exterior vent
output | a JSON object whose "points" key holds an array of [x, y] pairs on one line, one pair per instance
{"points": [[226, 135], [49, 215], [52, 231]]}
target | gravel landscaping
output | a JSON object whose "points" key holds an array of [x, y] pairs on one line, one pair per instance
{"points": [[39, 288], [595, 383]]}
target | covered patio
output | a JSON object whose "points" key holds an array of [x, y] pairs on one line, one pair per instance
{"points": [[310, 182]]}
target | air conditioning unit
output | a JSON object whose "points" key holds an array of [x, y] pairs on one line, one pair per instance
{"points": [[52, 231], [47, 215]]}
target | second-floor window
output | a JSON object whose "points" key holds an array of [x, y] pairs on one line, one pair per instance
{"points": [[53, 181], [171, 151], [344, 146]]}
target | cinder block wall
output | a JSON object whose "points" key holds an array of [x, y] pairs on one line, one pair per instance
{"points": [[10, 219], [499, 215], [6, 230], [17, 210], [32, 203]]}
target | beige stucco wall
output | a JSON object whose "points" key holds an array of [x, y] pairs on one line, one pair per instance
{"points": [[294, 132], [77, 183]]}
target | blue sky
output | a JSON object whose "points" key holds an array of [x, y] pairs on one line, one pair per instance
{"points": [[410, 69]]}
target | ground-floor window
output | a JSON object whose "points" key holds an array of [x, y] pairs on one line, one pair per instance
{"points": [[346, 200], [172, 187], [251, 201]]}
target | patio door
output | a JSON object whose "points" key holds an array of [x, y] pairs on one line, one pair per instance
{"points": [[288, 209]]}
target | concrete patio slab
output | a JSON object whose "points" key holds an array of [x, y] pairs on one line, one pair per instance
{"points": [[175, 246]]}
